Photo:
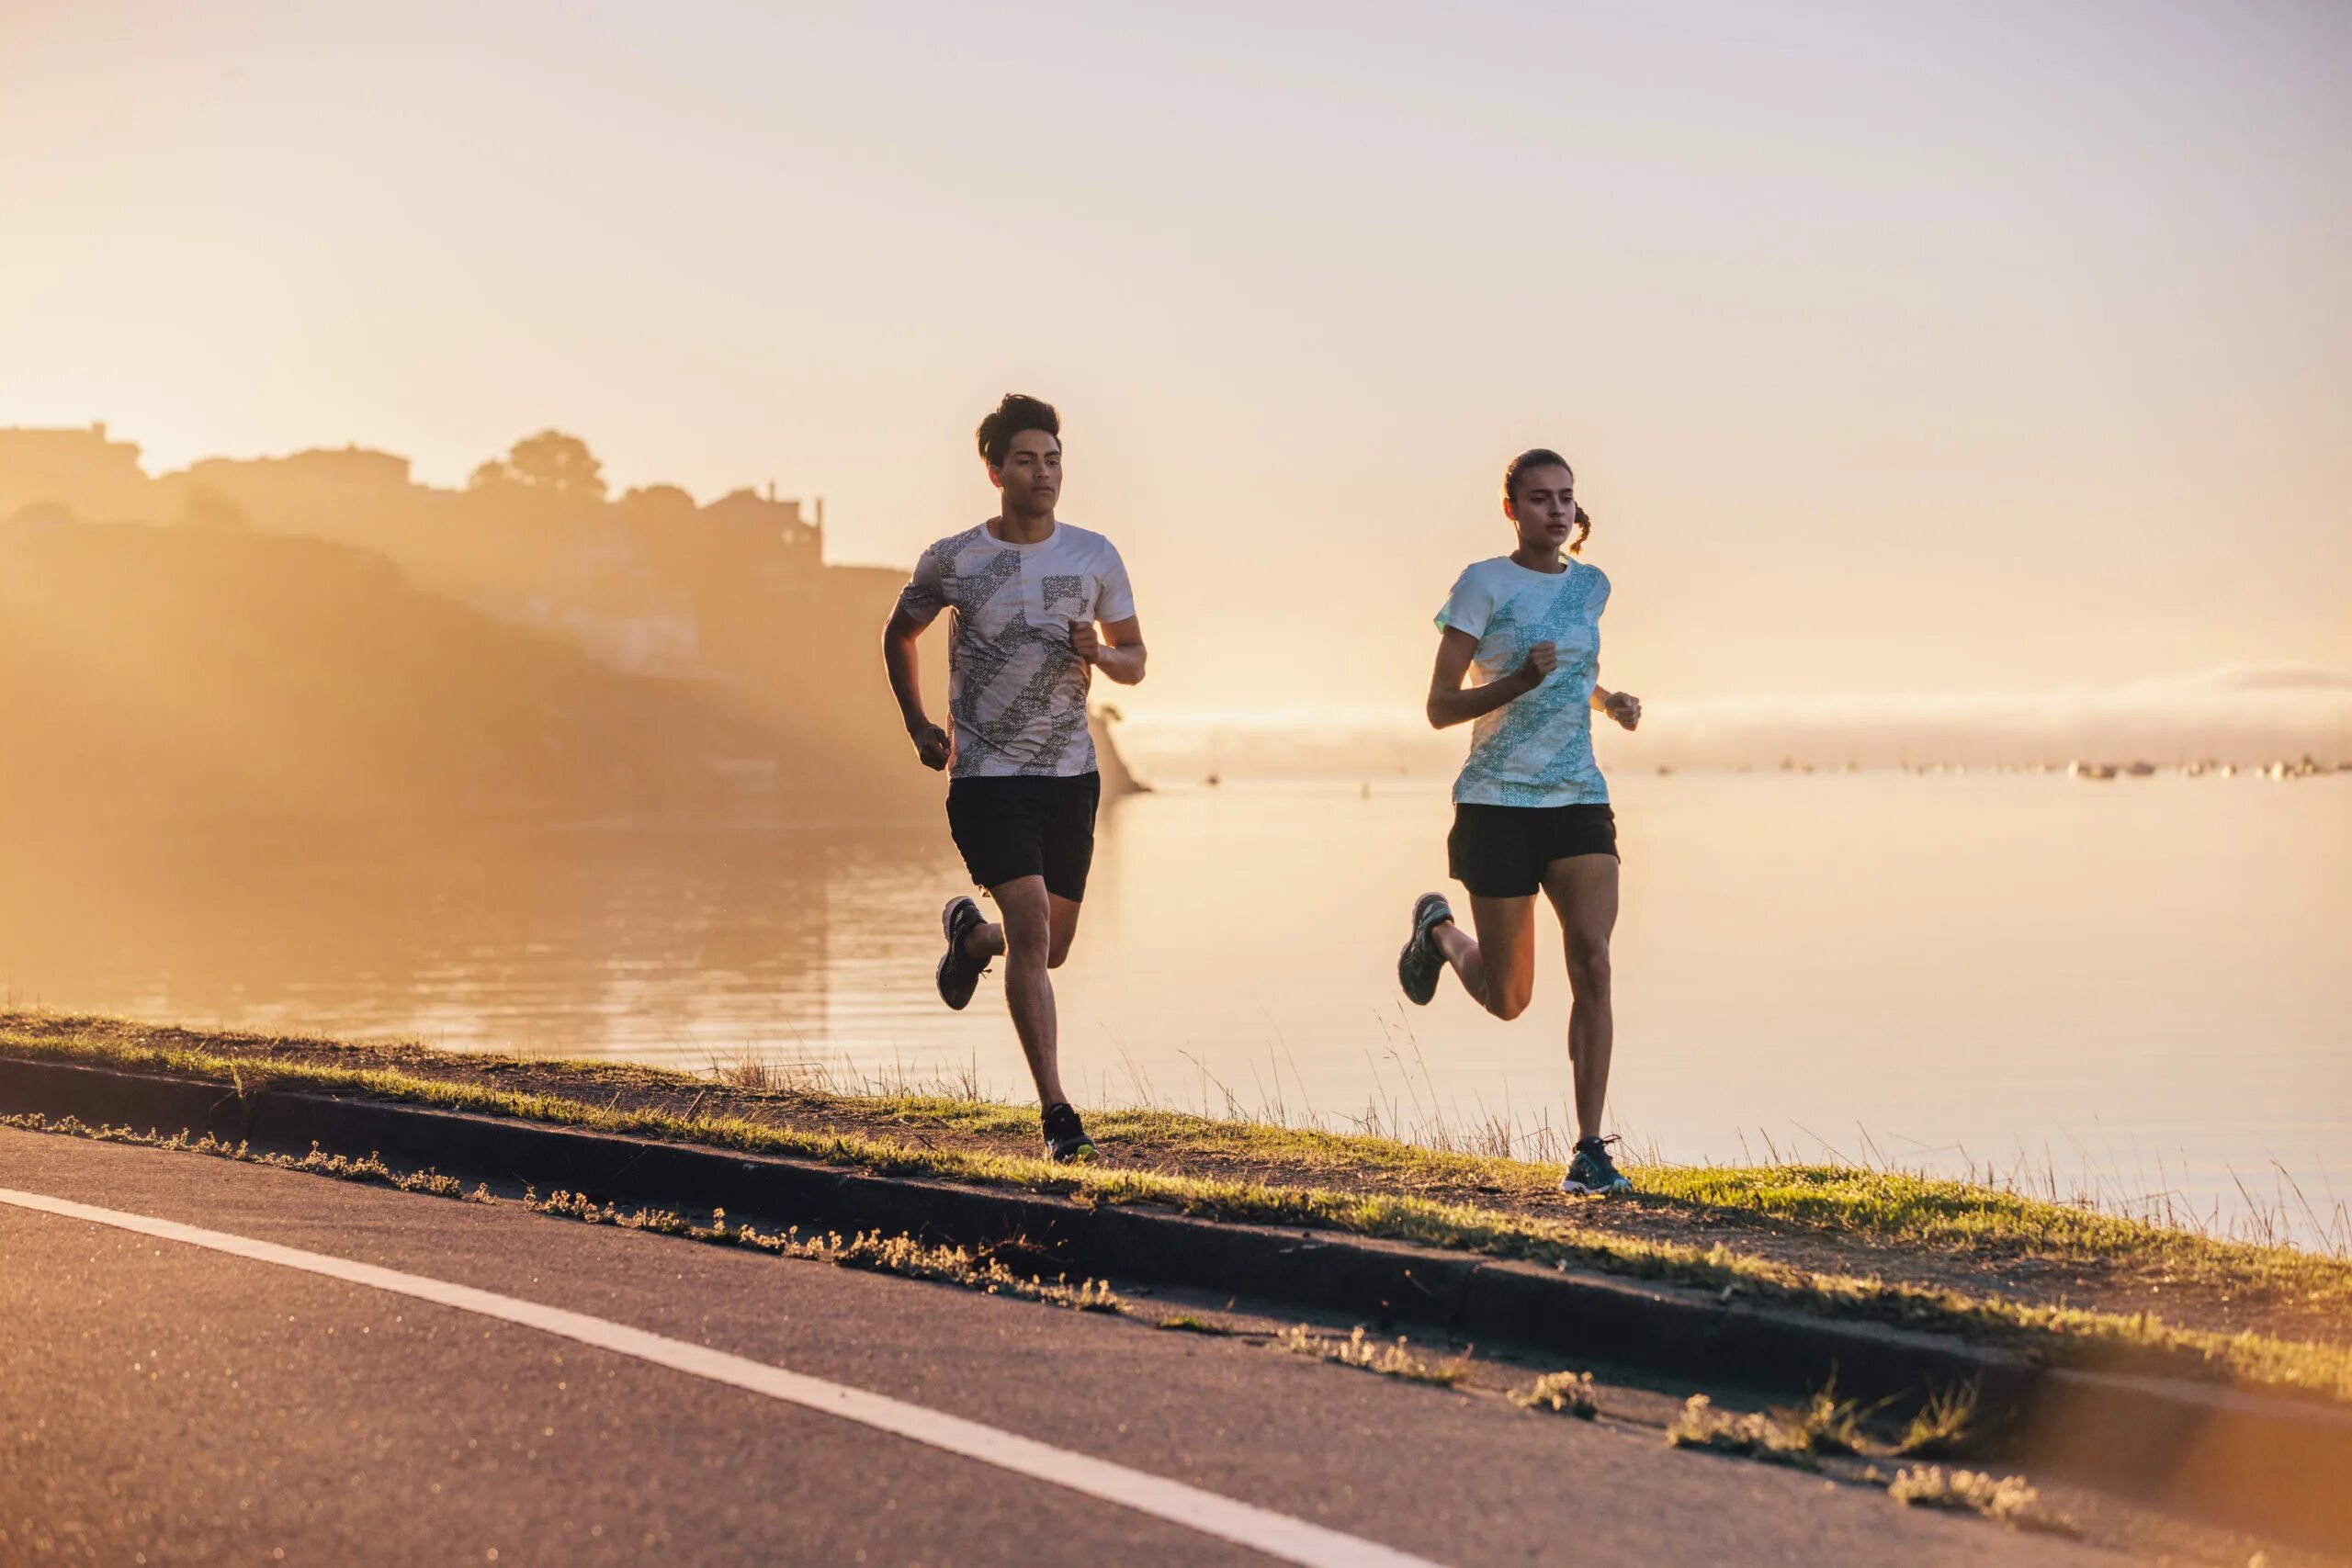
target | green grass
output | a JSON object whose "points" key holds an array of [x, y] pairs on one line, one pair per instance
{"points": [[1381, 1197], [1927, 1211]]}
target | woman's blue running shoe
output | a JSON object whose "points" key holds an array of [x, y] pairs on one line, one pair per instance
{"points": [[1591, 1173], [1419, 965]]}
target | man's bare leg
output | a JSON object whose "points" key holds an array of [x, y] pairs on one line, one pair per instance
{"points": [[1032, 935]]}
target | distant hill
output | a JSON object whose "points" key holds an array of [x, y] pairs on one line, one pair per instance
{"points": [[198, 672]]}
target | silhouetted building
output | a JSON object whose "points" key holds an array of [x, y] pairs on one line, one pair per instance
{"points": [[759, 520], [341, 493], [77, 469]]}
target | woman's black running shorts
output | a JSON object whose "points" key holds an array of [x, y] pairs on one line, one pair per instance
{"points": [[1501, 852]]}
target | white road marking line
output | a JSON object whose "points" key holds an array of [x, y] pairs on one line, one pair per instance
{"points": [[1244, 1524]]}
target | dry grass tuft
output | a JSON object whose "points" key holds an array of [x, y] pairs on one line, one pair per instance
{"points": [[1562, 1393], [1366, 1354], [899, 1255], [1747, 1436], [2008, 1499]]}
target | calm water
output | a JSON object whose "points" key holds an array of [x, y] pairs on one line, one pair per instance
{"points": [[2140, 987]]}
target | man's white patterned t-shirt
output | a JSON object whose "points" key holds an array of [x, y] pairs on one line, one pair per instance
{"points": [[1535, 749], [1015, 691]]}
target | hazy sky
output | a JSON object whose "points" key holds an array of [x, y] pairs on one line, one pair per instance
{"points": [[1896, 347]]}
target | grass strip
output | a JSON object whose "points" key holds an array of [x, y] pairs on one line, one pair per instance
{"points": [[2061, 1332]]}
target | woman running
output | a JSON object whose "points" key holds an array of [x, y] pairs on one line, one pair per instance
{"points": [[1530, 808]]}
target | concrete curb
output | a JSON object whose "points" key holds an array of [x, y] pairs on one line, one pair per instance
{"points": [[2242, 1457]]}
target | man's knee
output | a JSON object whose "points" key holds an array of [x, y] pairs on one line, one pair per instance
{"points": [[1058, 953], [1588, 968], [1028, 936]]}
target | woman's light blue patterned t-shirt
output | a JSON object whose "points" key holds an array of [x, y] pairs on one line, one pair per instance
{"points": [[1535, 749]]}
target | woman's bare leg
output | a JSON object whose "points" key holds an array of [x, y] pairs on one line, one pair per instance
{"points": [[1583, 889], [1497, 966]]}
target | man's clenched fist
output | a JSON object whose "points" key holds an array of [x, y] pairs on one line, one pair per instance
{"points": [[1084, 642], [932, 745]]}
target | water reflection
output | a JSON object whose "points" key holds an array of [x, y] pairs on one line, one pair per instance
{"points": [[624, 939]]}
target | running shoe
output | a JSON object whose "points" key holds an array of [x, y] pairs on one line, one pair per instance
{"points": [[1591, 1172], [960, 975], [1066, 1138], [1419, 965]]}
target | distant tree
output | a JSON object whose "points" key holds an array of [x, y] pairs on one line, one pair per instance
{"points": [[558, 464], [490, 476], [657, 506], [550, 465]]}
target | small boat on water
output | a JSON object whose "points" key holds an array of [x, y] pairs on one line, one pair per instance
{"points": [[2141, 770], [2082, 770]]}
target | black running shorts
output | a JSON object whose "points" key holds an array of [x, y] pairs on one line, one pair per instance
{"points": [[1011, 827], [1501, 852]]}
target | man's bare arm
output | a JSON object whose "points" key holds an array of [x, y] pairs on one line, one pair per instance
{"points": [[1118, 650], [934, 746]]}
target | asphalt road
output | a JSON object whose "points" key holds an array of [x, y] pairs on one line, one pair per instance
{"points": [[161, 1401]]}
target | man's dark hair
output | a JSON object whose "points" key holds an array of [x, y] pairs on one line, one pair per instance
{"points": [[1016, 413]]}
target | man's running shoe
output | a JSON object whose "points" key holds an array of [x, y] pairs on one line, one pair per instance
{"points": [[1591, 1172], [1419, 965], [1065, 1136], [959, 975]]}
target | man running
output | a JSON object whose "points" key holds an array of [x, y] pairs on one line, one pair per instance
{"points": [[1027, 591]]}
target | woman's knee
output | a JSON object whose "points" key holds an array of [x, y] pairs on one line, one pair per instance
{"points": [[1509, 999]]}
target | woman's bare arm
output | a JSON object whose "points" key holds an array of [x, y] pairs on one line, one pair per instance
{"points": [[1450, 704]]}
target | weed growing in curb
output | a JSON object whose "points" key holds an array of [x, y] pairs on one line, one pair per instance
{"points": [[1749, 1436], [342, 1168], [897, 1255], [2008, 1500], [1941, 1423], [871, 1250], [1562, 1393], [1185, 1323], [1827, 1425], [1366, 1354]]}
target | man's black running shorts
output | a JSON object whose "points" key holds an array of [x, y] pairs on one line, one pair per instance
{"points": [[1011, 827]]}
